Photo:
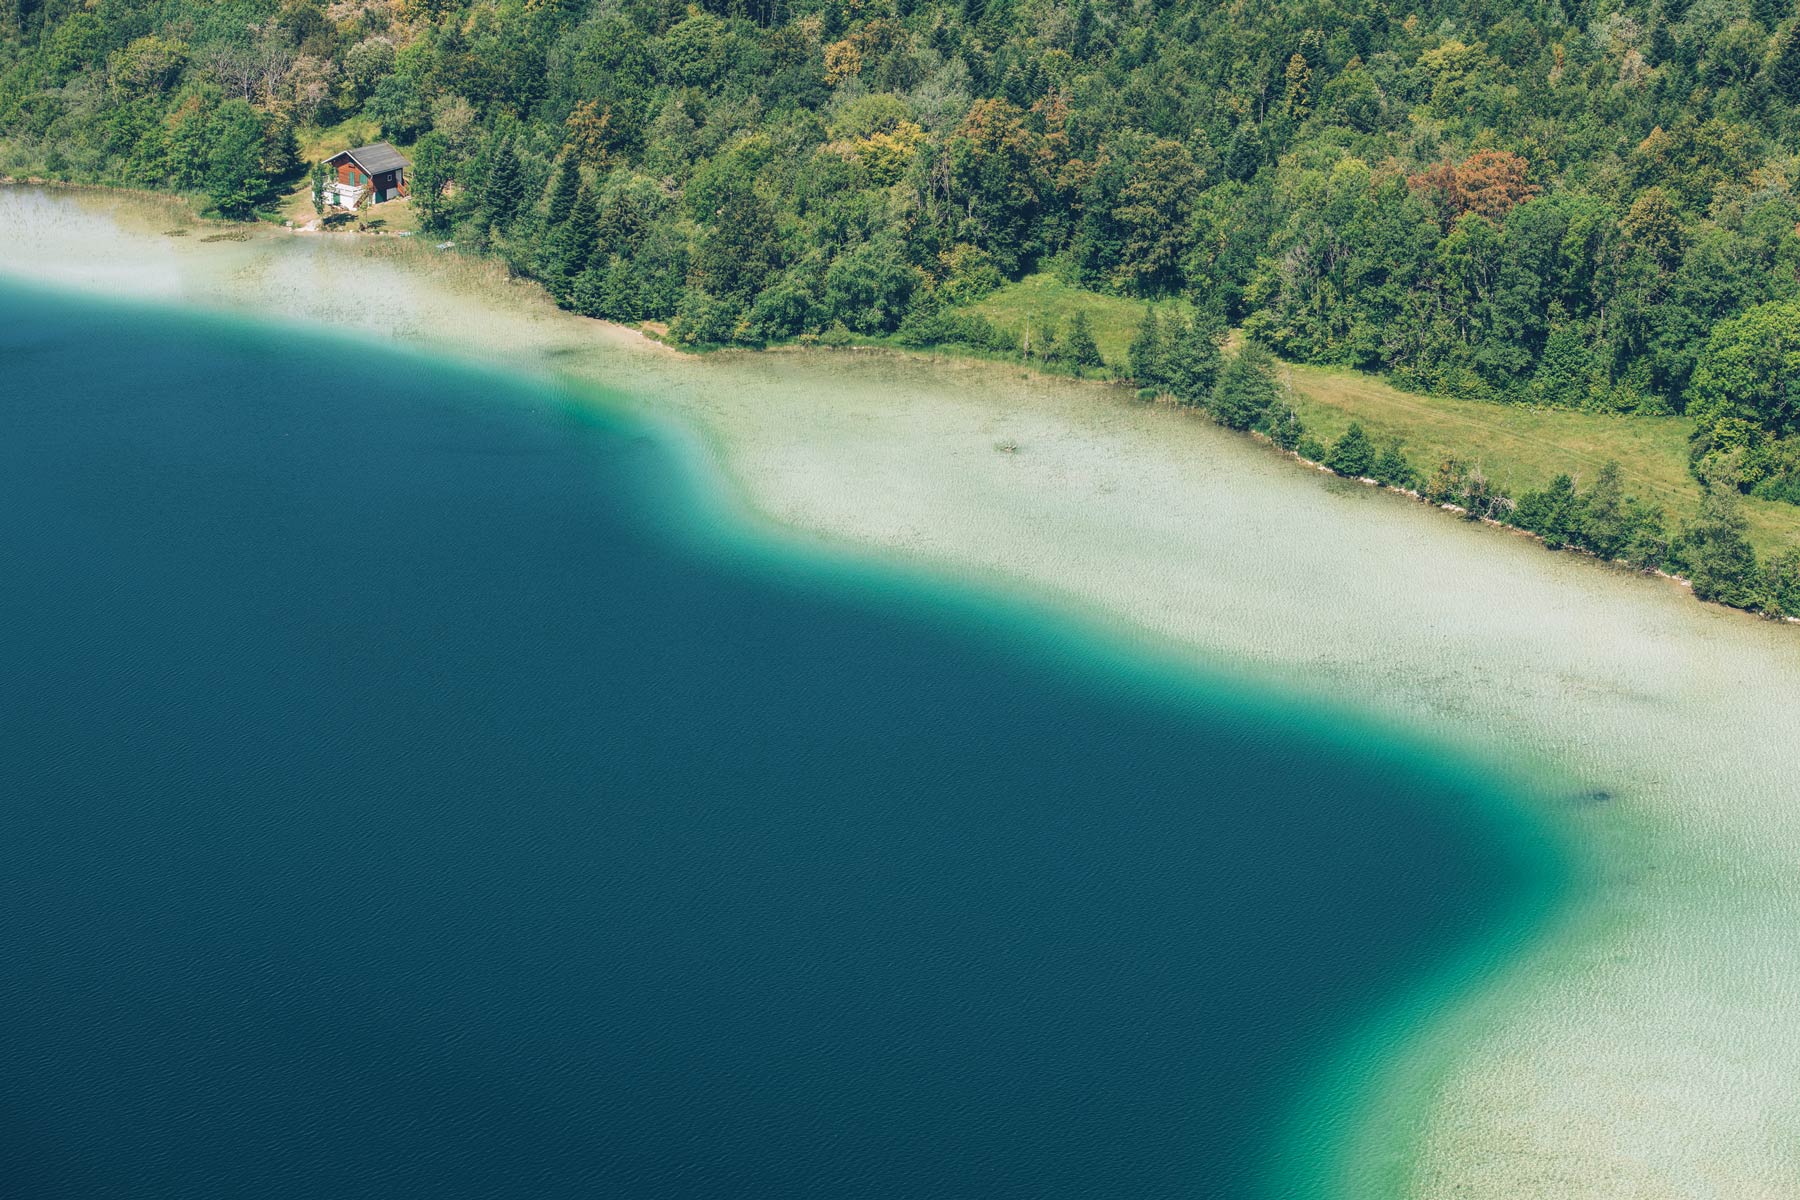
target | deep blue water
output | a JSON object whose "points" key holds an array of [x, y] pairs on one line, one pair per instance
{"points": [[393, 805]]}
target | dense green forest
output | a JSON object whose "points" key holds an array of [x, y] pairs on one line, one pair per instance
{"points": [[1587, 204]]}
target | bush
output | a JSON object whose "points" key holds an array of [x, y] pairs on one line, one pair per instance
{"points": [[870, 288], [943, 327], [1717, 554], [1283, 426], [1554, 514], [784, 310], [1781, 585], [705, 320]]}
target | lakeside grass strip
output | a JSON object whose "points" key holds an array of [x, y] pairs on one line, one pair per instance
{"points": [[1522, 447]]}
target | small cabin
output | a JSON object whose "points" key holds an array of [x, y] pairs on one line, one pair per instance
{"points": [[375, 172]]}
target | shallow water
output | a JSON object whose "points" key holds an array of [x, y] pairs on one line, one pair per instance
{"points": [[410, 793], [1645, 1044]]}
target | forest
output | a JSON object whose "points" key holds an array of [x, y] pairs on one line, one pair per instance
{"points": [[1585, 204]]}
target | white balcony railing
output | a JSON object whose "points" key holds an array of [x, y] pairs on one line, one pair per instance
{"points": [[345, 195]]}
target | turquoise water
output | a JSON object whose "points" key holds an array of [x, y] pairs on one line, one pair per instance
{"points": [[404, 795]]}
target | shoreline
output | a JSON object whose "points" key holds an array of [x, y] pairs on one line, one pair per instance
{"points": [[649, 340], [1186, 543]]}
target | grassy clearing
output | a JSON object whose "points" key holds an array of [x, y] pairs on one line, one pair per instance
{"points": [[1044, 299], [318, 142], [1523, 448], [1519, 447]]}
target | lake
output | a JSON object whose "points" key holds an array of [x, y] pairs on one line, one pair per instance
{"points": [[414, 786]]}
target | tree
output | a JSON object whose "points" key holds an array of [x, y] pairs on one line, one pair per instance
{"points": [[1192, 366], [739, 245], [1352, 454], [1246, 388], [234, 179], [317, 176], [427, 179], [502, 187], [1718, 554], [1781, 585], [1554, 514], [1152, 214], [1784, 68], [1606, 524], [1284, 427], [1482, 500], [1149, 351], [400, 105], [1079, 347], [1652, 227], [573, 244], [1297, 98], [1244, 156], [1391, 468], [1750, 368], [1491, 182], [1449, 484], [1648, 547], [1081, 35], [1566, 367], [564, 189], [999, 176], [870, 287]]}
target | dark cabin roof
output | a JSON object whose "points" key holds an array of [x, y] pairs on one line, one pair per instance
{"points": [[375, 158]]}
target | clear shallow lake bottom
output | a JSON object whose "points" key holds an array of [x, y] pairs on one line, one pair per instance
{"points": [[405, 791]]}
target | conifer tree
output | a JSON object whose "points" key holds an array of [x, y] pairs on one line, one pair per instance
{"points": [[1392, 469], [1149, 351], [573, 244], [1194, 359], [1352, 454], [619, 293], [564, 189], [1566, 365], [1081, 37], [587, 291], [503, 188], [1245, 389], [1784, 70], [1079, 347], [1662, 42]]}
